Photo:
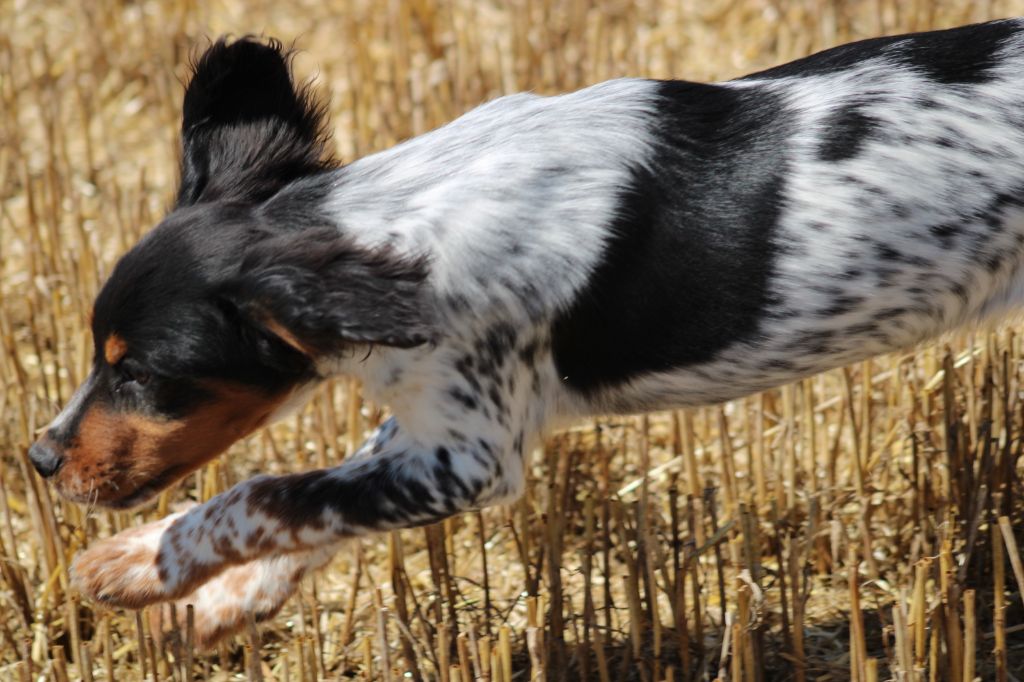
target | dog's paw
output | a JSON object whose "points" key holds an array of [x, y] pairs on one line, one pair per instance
{"points": [[137, 567], [223, 606]]}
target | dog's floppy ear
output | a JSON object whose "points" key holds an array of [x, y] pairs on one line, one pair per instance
{"points": [[320, 293], [247, 129]]}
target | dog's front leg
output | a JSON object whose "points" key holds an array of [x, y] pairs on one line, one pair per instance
{"points": [[395, 483]]}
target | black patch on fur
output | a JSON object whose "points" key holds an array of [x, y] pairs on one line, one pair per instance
{"points": [[851, 273], [492, 349], [495, 395], [300, 203], [247, 130], [841, 305], [465, 367], [964, 55], [329, 292], [686, 273], [887, 253], [449, 484], [846, 131], [528, 352], [468, 401], [946, 233], [890, 313], [901, 211]]}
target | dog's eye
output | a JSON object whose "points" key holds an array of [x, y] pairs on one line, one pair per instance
{"points": [[134, 374], [141, 378]]}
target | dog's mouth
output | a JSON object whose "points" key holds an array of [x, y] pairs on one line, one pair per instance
{"points": [[141, 495], [149, 490], [122, 460]]}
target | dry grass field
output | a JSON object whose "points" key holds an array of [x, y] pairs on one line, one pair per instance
{"points": [[860, 525]]}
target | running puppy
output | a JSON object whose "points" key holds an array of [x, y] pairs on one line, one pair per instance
{"points": [[637, 245]]}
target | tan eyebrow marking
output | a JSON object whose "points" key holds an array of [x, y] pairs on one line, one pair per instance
{"points": [[282, 333], [114, 349]]}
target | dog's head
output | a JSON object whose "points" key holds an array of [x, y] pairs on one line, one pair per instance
{"points": [[221, 313]]}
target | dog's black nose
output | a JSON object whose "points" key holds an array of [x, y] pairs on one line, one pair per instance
{"points": [[45, 456]]}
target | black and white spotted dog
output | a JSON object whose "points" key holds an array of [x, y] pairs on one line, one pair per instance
{"points": [[636, 245]]}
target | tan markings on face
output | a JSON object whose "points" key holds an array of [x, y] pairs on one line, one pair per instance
{"points": [[114, 349], [118, 455]]}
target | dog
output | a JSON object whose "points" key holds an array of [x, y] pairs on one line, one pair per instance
{"points": [[636, 245]]}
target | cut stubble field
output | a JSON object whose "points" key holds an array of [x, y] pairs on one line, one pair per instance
{"points": [[858, 525]]}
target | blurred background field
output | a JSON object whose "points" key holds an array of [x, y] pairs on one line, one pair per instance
{"points": [[860, 525]]}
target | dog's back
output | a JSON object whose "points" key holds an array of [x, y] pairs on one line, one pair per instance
{"points": [[680, 243]]}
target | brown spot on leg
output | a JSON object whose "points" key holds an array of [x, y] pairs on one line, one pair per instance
{"points": [[223, 605]]}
